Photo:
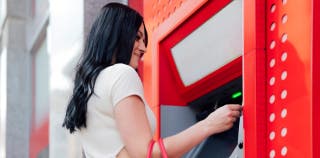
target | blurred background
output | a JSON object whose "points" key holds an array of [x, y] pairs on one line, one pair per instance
{"points": [[40, 43]]}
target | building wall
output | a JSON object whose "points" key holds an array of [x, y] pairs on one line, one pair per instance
{"points": [[91, 9], [3, 12], [36, 73], [22, 31]]}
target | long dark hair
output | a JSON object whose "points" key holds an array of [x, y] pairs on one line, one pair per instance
{"points": [[110, 41]]}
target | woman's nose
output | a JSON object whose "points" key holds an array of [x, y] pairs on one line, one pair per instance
{"points": [[142, 46]]}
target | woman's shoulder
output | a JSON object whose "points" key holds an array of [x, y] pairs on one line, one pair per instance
{"points": [[121, 66], [119, 70]]}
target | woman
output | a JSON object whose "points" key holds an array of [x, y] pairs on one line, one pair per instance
{"points": [[108, 107]]}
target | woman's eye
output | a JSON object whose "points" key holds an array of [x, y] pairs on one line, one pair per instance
{"points": [[138, 38]]}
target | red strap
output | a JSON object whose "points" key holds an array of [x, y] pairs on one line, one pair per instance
{"points": [[162, 148], [150, 148]]}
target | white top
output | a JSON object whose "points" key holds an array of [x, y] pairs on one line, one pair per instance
{"points": [[101, 138]]}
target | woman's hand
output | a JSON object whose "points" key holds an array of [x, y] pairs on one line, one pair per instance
{"points": [[223, 118]]}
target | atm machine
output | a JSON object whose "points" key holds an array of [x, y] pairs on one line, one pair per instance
{"points": [[189, 77], [203, 67], [222, 145]]}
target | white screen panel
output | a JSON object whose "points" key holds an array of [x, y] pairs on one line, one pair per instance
{"points": [[212, 45]]}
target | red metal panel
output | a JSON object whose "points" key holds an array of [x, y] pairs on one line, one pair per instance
{"points": [[164, 18], [254, 112], [289, 105], [316, 79], [206, 84], [137, 5]]}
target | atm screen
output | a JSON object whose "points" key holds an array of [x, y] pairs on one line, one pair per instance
{"points": [[220, 145]]}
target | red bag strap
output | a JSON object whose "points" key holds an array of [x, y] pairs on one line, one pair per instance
{"points": [[150, 148], [162, 148]]}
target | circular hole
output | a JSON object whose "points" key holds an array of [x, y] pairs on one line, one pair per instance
{"points": [[272, 44], [272, 26], [272, 99], [169, 13], [284, 94], [165, 8], [180, 3], [273, 8], [284, 37], [284, 56], [284, 113], [272, 81], [284, 151], [284, 75], [272, 62], [174, 9], [272, 117], [163, 18], [284, 2], [284, 132], [284, 18], [272, 153], [272, 135]]}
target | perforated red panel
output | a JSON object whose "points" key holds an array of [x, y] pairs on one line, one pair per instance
{"points": [[284, 124], [289, 124]]}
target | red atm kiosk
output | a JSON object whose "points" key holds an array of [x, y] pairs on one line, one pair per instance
{"points": [[203, 57], [261, 54]]}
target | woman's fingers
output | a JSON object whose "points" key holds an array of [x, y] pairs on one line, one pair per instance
{"points": [[236, 107], [235, 114]]}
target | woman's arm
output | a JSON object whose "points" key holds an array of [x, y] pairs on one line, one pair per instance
{"points": [[136, 133], [132, 122], [220, 120]]}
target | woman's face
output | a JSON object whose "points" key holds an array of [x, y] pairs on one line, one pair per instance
{"points": [[139, 48]]}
